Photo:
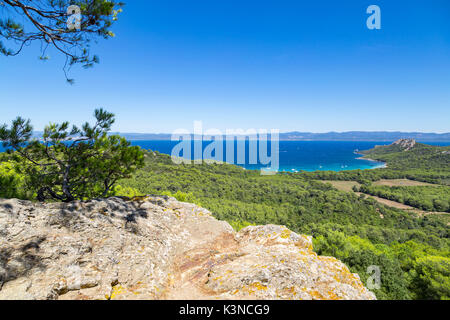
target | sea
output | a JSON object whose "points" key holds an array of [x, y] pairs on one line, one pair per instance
{"points": [[295, 156]]}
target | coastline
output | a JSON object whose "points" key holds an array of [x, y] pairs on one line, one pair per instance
{"points": [[382, 164]]}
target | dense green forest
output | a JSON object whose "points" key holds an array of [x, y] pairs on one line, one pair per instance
{"points": [[412, 252]]}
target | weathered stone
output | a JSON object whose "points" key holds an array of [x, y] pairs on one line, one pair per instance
{"points": [[405, 144], [157, 248]]}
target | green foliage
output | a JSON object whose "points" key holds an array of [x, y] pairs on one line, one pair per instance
{"points": [[409, 270], [12, 183], [238, 225], [128, 192], [72, 164], [46, 22], [422, 157], [431, 278], [181, 196]]}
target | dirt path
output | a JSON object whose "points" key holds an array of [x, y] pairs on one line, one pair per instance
{"points": [[347, 186], [389, 203]]}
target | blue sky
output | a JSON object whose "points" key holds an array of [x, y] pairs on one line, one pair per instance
{"points": [[288, 65]]}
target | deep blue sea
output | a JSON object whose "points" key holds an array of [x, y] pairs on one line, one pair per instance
{"points": [[303, 155], [299, 155]]}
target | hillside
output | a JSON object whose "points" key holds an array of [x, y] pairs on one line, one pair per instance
{"points": [[405, 159], [157, 248], [408, 154], [358, 231]]}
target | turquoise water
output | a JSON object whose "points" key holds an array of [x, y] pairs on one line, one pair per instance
{"points": [[299, 155], [302, 155]]}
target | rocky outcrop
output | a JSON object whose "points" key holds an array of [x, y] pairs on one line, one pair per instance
{"points": [[405, 144], [157, 248]]}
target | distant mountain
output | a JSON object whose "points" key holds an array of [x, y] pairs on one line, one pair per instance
{"points": [[144, 136], [365, 136], [329, 136], [309, 136]]}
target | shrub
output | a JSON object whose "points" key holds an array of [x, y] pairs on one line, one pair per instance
{"points": [[12, 183]]}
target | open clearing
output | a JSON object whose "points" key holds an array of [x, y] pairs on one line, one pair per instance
{"points": [[342, 185], [401, 183], [348, 185], [401, 206], [390, 203]]}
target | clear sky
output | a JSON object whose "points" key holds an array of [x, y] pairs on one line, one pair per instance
{"points": [[288, 65]]}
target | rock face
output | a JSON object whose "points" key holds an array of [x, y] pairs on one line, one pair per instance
{"points": [[405, 144], [157, 248]]}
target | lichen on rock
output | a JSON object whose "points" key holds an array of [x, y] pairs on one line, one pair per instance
{"points": [[157, 248]]}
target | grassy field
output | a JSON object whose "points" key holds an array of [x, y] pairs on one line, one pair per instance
{"points": [[342, 185], [390, 203], [347, 186], [400, 183]]}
